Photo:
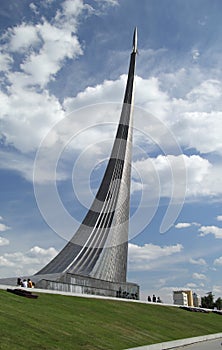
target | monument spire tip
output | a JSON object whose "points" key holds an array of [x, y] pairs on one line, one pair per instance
{"points": [[135, 40]]}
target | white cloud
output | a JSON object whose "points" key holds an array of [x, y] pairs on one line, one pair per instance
{"points": [[195, 54], [48, 2], [218, 261], [149, 99], [106, 3], [219, 218], [22, 37], [196, 224], [191, 174], [29, 113], [38, 251], [4, 241], [4, 262], [205, 92], [142, 257], [201, 131], [26, 108], [199, 261], [186, 224], [5, 61], [199, 276], [34, 8], [198, 117], [149, 96], [191, 285], [217, 290], [58, 44], [214, 230], [198, 170], [71, 10], [108, 91], [182, 225], [17, 162], [33, 259], [40, 110], [3, 227], [194, 120]]}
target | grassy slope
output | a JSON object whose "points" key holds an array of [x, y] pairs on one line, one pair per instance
{"points": [[60, 322]]}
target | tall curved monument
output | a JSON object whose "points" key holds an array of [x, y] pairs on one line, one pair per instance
{"points": [[94, 261]]}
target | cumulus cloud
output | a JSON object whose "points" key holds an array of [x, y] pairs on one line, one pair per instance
{"points": [[213, 230], [218, 261], [194, 120], [199, 276], [151, 104], [4, 262], [201, 131], [150, 96], [34, 8], [4, 241], [199, 115], [5, 61], [143, 257], [182, 225], [191, 285], [217, 290], [41, 252], [202, 176], [190, 174], [186, 224], [18, 162], [21, 37], [59, 44], [219, 218], [33, 259], [49, 43], [199, 261], [111, 2], [39, 112], [106, 3], [3, 227], [27, 105], [195, 54]]}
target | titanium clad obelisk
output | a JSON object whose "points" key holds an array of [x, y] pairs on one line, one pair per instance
{"points": [[99, 248]]}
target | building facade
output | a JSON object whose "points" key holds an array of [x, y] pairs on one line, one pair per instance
{"points": [[183, 297]]}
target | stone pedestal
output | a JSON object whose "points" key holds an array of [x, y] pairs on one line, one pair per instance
{"points": [[68, 282]]}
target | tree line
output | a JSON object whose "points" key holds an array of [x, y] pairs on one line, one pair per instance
{"points": [[209, 303]]}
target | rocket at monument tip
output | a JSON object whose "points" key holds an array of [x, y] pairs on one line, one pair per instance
{"points": [[135, 40]]}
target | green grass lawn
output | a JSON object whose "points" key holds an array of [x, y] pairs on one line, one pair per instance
{"points": [[64, 322]]}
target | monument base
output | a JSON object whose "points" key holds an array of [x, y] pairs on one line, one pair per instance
{"points": [[86, 285], [68, 282]]}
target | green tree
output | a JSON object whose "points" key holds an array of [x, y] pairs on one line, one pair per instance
{"points": [[208, 301], [218, 303]]}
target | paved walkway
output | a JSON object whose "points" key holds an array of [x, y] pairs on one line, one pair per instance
{"points": [[206, 342], [206, 345]]}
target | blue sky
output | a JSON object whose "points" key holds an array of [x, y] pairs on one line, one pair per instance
{"points": [[63, 67]]}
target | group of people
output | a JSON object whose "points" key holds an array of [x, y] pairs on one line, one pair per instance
{"points": [[154, 299], [25, 283]]}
